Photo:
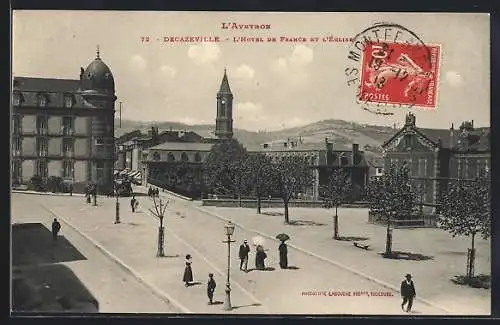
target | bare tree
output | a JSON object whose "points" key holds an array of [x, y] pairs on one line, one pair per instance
{"points": [[159, 212]]}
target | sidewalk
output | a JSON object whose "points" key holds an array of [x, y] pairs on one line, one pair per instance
{"points": [[432, 277], [134, 242]]}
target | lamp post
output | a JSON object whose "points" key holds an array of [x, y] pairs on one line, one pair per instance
{"points": [[117, 211], [229, 227]]}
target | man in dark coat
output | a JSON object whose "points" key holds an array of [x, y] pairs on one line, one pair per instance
{"points": [[407, 293], [283, 255], [132, 203], [56, 227], [244, 250], [211, 288]]}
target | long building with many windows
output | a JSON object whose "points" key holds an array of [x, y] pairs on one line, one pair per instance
{"points": [[65, 128]]}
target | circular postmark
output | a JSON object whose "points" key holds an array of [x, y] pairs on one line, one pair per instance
{"points": [[390, 67]]}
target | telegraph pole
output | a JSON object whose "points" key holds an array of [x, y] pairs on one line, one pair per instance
{"points": [[120, 114]]}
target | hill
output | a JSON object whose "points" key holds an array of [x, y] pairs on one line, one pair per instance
{"points": [[341, 133]]}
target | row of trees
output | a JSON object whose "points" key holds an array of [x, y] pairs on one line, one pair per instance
{"points": [[231, 170]]}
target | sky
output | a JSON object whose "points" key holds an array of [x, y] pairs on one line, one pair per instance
{"points": [[275, 84]]}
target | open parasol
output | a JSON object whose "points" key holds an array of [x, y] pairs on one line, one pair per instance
{"points": [[258, 241], [282, 237]]}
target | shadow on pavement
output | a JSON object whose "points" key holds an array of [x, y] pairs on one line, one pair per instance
{"points": [[293, 268], [32, 243], [305, 223], [51, 289], [250, 305], [352, 238], [268, 213], [217, 302], [397, 255], [197, 283]]}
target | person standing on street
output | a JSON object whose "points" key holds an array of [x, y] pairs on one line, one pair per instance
{"points": [[188, 272], [211, 288], [407, 293], [260, 257], [56, 227], [283, 255], [132, 203], [244, 251]]}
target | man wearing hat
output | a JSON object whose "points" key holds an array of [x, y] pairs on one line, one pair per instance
{"points": [[407, 293], [244, 250], [211, 288]]}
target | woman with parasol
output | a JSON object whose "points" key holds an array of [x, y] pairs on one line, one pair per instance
{"points": [[283, 250], [260, 254]]}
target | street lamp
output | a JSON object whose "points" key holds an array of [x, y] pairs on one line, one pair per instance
{"points": [[117, 213], [229, 227]]}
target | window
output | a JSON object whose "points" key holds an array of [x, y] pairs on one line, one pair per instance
{"points": [[68, 125], [223, 108], [16, 146], [99, 141], [170, 157], [394, 162], [16, 124], [42, 146], [68, 146], [379, 171], [197, 157], [16, 100], [99, 170], [42, 101], [421, 163], [184, 157], [41, 168], [68, 169], [41, 124], [16, 171], [344, 161], [68, 101], [156, 156]]}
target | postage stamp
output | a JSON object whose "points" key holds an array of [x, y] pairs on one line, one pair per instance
{"points": [[393, 69]]}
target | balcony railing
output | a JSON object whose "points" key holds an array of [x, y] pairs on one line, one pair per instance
{"points": [[42, 153], [68, 154], [68, 131], [42, 131], [16, 152]]}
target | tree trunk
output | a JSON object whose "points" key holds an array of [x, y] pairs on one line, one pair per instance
{"points": [[470, 267], [388, 243], [336, 224], [287, 221], [239, 199], [258, 204]]}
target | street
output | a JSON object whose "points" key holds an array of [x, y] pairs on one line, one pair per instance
{"points": [[312, 286]]}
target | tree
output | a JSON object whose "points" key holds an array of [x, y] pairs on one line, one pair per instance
{"points": [[260, 175], [225, 168], [159, 212], [291, 174], [466, 211], [337, 191], [391, 197]]}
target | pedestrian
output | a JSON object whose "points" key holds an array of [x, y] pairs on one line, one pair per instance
{"points": [[188, 271], [260, 256], [407, 293], [56, 227], [283, 255], [71, 189], [132, 203], [211, 288], [88, 197], [244, 250]]}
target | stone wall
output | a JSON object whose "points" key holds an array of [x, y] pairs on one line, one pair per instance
{"points": [[274, 203]]}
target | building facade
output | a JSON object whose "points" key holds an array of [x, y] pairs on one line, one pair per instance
{"points": [[65, 128], [433, 156]]}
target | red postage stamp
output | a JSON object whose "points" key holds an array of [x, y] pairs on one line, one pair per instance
{"points": [[400, 74]]}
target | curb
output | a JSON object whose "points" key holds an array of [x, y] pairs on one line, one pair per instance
{"points": [[158, 292], [45, 193], [345, 267]]}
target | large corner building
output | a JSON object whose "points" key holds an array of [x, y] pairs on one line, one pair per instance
{"points": [[65, 127]]}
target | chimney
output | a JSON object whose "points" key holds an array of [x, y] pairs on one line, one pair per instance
{"points": [[285, 144], [355, 153], [452, 137], [472, 124]]}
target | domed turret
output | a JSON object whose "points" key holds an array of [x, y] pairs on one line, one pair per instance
{"points": [[97, 76]]}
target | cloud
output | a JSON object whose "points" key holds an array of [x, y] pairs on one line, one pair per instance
{"points": [[244, 72], [454, 79], [204, 53], [168, 71], [248, 107], [138, 62], [301, 55], [293, 122]]}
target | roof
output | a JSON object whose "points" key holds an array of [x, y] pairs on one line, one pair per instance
{"points": [[183, 146], [46, 84], [299, 147], [376, 162], [224, 86]]}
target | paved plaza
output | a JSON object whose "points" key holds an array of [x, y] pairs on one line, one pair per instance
{"points": [[329, 269]]}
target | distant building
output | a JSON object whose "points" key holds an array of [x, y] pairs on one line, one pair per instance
{"points": [[178, 165], [434, 156], [376, 166], [65, 127]]}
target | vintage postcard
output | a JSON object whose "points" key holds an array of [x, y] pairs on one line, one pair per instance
{"points": [[251, 163]]}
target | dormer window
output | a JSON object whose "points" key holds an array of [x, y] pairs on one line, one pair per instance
{"points": [[68, 101], [42, 101]]}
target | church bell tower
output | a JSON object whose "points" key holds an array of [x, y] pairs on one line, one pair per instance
{"points": [[224, 120]]}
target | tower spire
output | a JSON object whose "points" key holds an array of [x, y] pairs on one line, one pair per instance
{"points": [[224, 86], [97, 52]]}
